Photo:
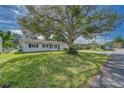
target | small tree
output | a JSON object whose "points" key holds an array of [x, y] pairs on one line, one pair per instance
{"points": [[7, 40], [70, 22], [118, 42], [93, 44]]}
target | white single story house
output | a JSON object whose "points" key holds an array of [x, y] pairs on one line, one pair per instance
{"points": [[29, 45], [0, 44]]}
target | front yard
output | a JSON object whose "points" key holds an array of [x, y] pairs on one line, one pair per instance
{"points": [[49, 69]]}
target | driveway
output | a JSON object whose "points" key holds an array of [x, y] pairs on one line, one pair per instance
{"points": [[112, 74], [98, 52]]}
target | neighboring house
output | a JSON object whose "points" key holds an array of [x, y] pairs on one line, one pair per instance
{"points": [[30, 45], [0, 44], [118, 45]]}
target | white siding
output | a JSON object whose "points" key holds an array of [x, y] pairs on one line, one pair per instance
{"points": [[0, 45], [25, 48]]}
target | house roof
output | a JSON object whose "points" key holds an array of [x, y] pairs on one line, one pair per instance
{"points": [[39, 41]]}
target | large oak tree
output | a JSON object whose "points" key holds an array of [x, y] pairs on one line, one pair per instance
{"points": [[70, 22]]}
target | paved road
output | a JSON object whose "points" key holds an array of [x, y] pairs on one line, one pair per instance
{"points": [[112, 74]]}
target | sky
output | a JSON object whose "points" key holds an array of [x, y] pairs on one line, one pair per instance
{"points": [[9, 14]]}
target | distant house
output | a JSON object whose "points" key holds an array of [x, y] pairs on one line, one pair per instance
{"points": [[30, 45], [118, 45], [0, 44]]}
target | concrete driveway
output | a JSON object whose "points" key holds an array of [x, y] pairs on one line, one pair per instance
{"points": [[112, 74], [119, 51]]}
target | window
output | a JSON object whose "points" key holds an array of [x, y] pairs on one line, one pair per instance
{"points": [[45, 45], [33, 45], [51, 46], [55, 46], [20, 46]]}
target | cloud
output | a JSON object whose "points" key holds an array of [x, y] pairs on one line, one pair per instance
{"points": [[2, 21], [81, 40], [16, 12], [8, 16], [6, 27]]}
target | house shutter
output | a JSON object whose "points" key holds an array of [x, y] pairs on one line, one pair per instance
{"points": [[29, 45]]}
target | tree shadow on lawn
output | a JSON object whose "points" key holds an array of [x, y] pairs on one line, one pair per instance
{"points": [[40, 52], [44, 70]]}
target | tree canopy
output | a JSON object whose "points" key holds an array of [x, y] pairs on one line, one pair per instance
{"points": [[70, 22], [118, 39]]}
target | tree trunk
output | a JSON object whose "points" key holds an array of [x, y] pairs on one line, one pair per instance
{"points": [[71, 50], [70, 44]]}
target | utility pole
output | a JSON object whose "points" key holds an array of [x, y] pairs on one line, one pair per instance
{"points": [[105, 37]]}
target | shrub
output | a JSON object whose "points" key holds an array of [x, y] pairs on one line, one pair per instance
{"points": [[93, 47], [102, 46], [20, 50], [65, 49], [79, 46], [86, 47], [72, 51]]}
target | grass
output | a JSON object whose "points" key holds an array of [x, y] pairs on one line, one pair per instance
{"points": [[49, 69]]}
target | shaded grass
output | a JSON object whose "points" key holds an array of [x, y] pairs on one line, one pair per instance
{"points": [[49, 69]]}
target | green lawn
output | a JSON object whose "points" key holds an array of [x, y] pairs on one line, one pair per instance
{"points": [[49, 69]]}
